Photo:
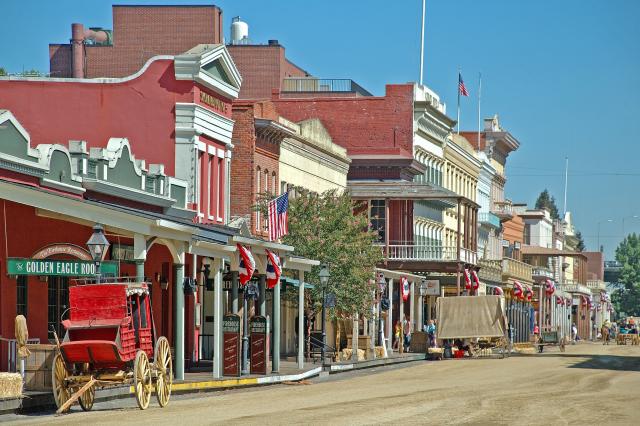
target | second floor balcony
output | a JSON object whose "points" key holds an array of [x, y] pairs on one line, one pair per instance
{"points": [[431, 253], [541, 273], [503, 209], [596, 285], [490, 270], [489, 219], [516, 270]]}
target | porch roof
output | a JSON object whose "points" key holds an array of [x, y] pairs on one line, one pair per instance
{"points": [[404, 190], [545, 251]]}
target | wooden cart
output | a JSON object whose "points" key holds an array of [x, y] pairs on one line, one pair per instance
{"points": [[550, 338], [109, 341]]}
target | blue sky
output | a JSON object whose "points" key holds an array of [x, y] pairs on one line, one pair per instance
{"points": [[564, 76]]}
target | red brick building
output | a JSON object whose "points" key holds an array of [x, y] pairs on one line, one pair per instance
{"points": [[138, 34]]}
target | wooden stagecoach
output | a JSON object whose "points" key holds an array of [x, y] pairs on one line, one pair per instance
{"points": [[110, 341]]}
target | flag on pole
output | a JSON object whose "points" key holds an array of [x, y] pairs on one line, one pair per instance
{"points": [[278, 217], [274, 270], [462, 89], [247, 264]]}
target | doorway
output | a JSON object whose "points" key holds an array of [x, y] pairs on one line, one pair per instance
{"points": [[57, 305]]}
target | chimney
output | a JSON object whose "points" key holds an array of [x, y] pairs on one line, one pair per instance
{"points": [[77, 51]]}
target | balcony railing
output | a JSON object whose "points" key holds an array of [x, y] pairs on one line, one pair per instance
{"points": [[596, 285], [539, 272], [490, 270], [573, 286], [310, 84], [419, 252], [512, 268], [503, 209], [489, 219]]}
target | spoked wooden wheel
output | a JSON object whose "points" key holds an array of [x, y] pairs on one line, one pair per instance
{"points": [[59, 373], [164, 370], [87, 398], [142, 379]]}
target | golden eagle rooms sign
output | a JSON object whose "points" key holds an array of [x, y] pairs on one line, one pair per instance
{"points": [[71, 268]]}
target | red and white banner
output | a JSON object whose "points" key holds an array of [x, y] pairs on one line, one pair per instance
{"points": [[517, 290], [476, 280], [549, 287], [467, 279], [498, 291], [406, 288], [247, 264], [559, 301], [274, 269], [528, 293]]}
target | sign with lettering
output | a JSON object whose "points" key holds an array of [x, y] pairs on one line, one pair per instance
{"points": [[213, 102], [121, 252], [231, 342], [64, 249], [68, 268], [433, 288], [259, 345]]}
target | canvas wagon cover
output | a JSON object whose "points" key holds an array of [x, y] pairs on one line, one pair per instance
{"points": [[470, 316]]}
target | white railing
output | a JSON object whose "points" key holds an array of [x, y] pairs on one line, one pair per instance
{"points": [[429, 253], [596, 284], [515, 268], [542, 272]]}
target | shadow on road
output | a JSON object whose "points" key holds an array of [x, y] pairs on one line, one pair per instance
{"points": [[604, 362]]}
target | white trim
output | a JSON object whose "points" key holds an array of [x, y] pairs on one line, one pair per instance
{"points": [[220, 153], [114, 189], [194, 119], [211, 150], [202, 146], [188, 66], [62, 186]]}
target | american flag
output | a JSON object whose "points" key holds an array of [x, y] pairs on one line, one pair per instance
{"points": [[278, 215], [461, 87]]}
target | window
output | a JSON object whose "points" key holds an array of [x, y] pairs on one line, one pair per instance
{"points": [[274, 187], [212, 187], [377, 217], [203, 186], [58, 302], [258, 190], [21, 293], [221, 188]]}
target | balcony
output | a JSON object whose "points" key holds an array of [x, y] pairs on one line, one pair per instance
{"points": [[573, 286], [490, 270], [541, 273], [489, 219], [596, 285], [515, 269], [323, 85], [418, 252], [503, 209]]}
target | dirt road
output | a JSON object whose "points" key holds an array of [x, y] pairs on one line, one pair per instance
{"points": [[589, 384]]}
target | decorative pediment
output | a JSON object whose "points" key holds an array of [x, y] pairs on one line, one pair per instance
{"points": [[15, 141], [210, 65]]}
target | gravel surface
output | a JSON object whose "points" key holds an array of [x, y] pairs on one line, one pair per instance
{"points": [[588, 384]]}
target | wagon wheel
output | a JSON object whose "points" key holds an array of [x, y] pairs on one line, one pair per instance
{"points": [[142, 379], [87, 398], [61, 393], [164, 370]]}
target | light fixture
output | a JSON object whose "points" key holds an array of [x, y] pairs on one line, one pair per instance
{"points": [[98, 245], [324, 274]]}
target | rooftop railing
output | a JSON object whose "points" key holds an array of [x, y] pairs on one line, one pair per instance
{"points": [[310, 84]]}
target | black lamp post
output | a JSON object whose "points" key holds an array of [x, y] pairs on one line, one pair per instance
{"points": [[324, 279], [422, 289], [97, 244], [382, 284]]}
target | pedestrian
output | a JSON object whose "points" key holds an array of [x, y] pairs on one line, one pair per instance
{"points": [[605, 334], [574, 333], [396, 335], [431, 334], [406, 331]]}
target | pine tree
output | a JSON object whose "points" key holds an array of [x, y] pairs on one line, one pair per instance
{"points": [[547, 202], [580, 246]]}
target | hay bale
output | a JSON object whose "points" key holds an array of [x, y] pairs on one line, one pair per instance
{"points": [[10, 385], [347, 354], [379, 352]]}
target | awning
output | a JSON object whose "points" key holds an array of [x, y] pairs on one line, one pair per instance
{"points": [[294, 282]]}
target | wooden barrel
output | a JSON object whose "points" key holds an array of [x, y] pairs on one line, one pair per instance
{"points": [[38, 367]]}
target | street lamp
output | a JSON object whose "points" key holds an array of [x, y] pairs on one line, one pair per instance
{"points": [[602, 221], [382, 285], [97, 244], [635, 216], [324, 279]]}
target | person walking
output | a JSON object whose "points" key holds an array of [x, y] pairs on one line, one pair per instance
{"points": [[406, 331], [605, 333], [431, 334], [397, 331], [574, 333]]}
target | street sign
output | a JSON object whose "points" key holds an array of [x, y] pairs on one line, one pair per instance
{"points": [[68, 268], [433, 287], [330, 300]]}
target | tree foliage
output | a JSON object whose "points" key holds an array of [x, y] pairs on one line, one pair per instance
{"points": [[324, 227], [3, 72], [626, 297], [580, 246], [547, 202]]}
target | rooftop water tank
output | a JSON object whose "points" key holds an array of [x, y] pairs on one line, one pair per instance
{"points": [[239, 31]]}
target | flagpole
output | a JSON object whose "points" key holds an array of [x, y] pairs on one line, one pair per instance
{"points": [[422, 43], [458, 87], [479, 98]]}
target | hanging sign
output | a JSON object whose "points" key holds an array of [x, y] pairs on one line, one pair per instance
{"points": [[65, 249], [68, 268]]}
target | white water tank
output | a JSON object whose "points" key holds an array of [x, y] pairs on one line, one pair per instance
{"points": [[239, 31]]}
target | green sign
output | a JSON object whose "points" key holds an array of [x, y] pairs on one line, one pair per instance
{"points": [[70, 268]]}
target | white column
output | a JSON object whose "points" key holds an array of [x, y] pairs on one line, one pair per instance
{"points": [[412, 306], [139, 254], [179, 314], [354, 338], [301, 314], [390, 317], [217, 319]]}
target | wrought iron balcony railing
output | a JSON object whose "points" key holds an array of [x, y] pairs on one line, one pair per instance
{"points": [[417, 252]]}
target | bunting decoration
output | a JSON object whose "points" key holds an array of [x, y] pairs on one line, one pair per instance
{"points": [[476, 280], [528, 293], [549, 287], [498, 291], [467, 280], [274, 269], [247, 264], [517, 290], [559, 301], [406, 288]]}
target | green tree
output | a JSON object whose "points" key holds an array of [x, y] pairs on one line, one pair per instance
{"points": [[580, 246], [547, 202], [626, 297], [3, 72], [325, 227]]}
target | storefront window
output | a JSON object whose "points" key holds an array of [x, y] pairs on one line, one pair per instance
{"points": [[58, 303], [21, 292]]}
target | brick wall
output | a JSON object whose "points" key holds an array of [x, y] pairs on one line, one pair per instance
{"points": [[359, 124], [60, 60], [141, 32]]}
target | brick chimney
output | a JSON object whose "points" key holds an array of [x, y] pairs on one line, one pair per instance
{"points": [[77, 50]]}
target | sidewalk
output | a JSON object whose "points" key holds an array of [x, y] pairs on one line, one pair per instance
{"points": [[202, 381]]}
